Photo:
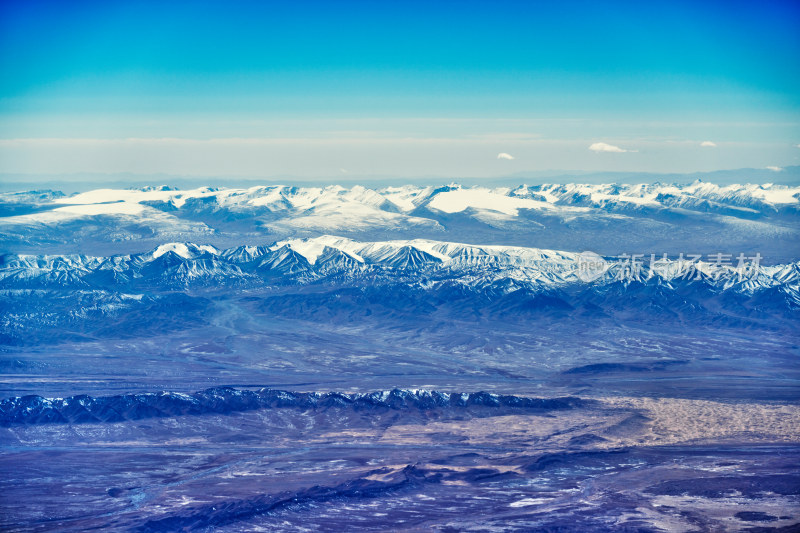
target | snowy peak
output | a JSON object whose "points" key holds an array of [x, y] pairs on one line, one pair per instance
{"points": [[408, 258], [185, 250], [244, 254], [285, 260], [498, 200], [335, 260]]}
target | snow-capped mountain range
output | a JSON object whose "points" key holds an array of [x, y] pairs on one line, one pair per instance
{"points": [[406, 199], [337, 260], [610, 219], [328, 278]]}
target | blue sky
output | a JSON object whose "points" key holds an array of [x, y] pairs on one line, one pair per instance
{"points": [[397, 88]]}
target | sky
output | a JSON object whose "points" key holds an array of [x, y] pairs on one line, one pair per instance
{"points": [[357, 89]]}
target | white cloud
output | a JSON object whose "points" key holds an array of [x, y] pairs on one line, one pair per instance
{"points": [[709, 144], [503, 155], [774, 168], [604, 147]]}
